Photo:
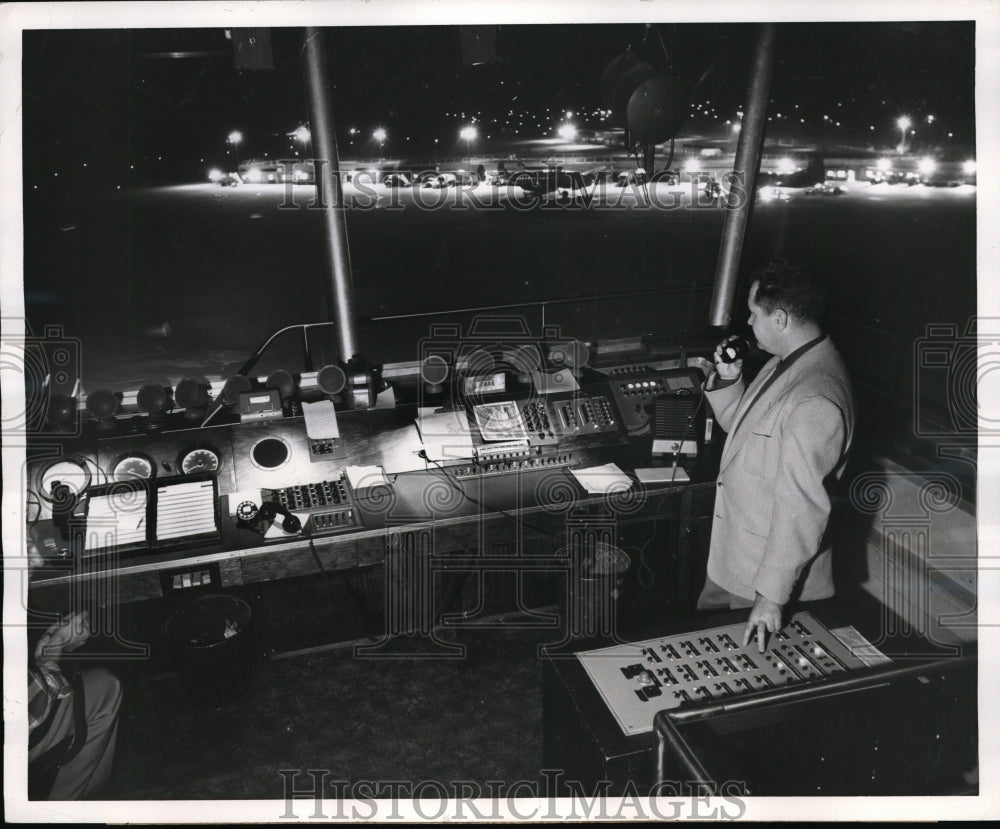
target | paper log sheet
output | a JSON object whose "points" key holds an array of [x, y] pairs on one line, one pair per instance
{"points": [[185, 509], [321, 420], [445, 435], [116, 519]]}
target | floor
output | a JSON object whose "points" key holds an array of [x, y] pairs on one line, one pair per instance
{"points": [[413, 718]]}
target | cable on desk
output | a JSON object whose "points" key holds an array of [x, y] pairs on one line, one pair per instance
{"points": [[97, 466], [454, 484]]}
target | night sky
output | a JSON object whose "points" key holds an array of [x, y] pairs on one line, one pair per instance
{"points": [[125, 105]]}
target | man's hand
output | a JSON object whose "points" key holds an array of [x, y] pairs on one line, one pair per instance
{"points": [[66, 635], [727, 371], [765, 617]]}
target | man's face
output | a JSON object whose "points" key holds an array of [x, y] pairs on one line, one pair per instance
{"points": [[761, 322]]}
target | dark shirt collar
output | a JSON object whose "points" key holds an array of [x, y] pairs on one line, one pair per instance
{"points": [[802, 349]]}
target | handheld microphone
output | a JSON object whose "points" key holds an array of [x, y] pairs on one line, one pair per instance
{"points": [[735, 350]]}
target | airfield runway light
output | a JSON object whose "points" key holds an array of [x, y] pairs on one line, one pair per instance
{"points": [[926, 166], [786, 166], [969, 167], [567, 132], [883, 165]]}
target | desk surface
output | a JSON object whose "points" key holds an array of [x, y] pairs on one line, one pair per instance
{"points": [[489, 513]]}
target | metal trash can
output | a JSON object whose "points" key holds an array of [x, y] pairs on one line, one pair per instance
{"points": [[597, 573], [213, 646]]}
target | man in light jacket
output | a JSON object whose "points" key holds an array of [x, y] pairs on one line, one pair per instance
{"points": [[789, 432]]}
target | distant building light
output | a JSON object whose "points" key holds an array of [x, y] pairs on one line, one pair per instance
{"points": [[926, 166], [786, 166], [883, 164], [969, 167]]}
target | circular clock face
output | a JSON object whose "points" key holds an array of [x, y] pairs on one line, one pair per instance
{"points": [[246, 511], [199, 460], [131, 467]]}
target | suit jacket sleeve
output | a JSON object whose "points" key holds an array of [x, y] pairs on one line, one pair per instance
{"points": [[812, 443], [725, 402]]}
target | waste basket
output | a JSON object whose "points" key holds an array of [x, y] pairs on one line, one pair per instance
{"points": [[213, 647], [597, 572]]}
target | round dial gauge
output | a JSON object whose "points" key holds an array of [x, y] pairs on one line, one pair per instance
{"points": [[70, 473], [199, 460], [132, 467]]}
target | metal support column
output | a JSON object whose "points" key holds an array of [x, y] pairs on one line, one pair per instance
{"points": [[329, 191], [747, 163]]}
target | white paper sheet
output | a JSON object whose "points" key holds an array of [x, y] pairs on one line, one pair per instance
{"points": [[445, 435], [601, 480], [362, 477], [321, 420]]}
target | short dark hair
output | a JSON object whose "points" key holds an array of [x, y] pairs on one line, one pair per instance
{"points": [[792, 286]]}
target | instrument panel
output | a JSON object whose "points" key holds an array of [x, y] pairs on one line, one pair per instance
{"points": [[639, 679], [167, 454], [276, 461]]}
